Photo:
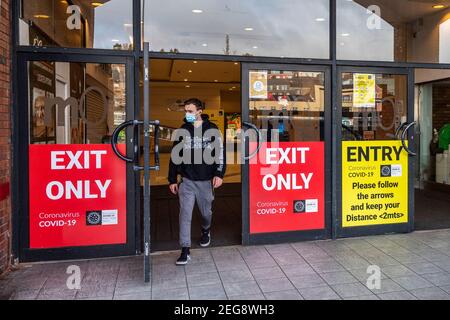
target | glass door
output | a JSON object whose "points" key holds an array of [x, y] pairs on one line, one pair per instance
{"points": [[287, 168], [375, 151], [78, 196]]}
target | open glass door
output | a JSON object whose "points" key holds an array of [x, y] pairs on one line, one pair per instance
{"points": [[287, 169], [374, 143]]}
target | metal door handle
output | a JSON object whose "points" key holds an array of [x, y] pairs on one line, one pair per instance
{"points": [[156, 137], [405, 131], [253, 127], [399, 129], [352, 132], [115, 137], [156, 167], [135, 139]]}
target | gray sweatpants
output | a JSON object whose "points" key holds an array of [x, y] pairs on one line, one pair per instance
{"points": [[188, 192]]}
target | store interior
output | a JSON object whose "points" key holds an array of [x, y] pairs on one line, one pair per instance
{"points": [[432, 174], [217, 85]]}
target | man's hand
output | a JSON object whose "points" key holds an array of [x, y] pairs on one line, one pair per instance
{"points": [[174, 188], [217, 182]]}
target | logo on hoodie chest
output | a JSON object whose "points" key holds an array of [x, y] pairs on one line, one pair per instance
{"points": [[198, 143]]}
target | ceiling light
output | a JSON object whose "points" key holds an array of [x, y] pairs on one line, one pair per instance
{"points": [[195, 61], [236, 63], [41, 16], [127, 24], [188, 86], [216, 80], [205, 45], [255, 47], [190, 71], [185, 79], [320, 19], [438, 6], [115, 40], [248, 29], [197, 11], [345, 34]]}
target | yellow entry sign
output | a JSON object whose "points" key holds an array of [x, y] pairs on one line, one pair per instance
{"points": [[374, 183]]}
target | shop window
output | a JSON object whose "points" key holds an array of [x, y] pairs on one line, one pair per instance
{"points": [[75, 103], [294, 107], [103, 24], [282, 28], [373, 106], [401, 30]]}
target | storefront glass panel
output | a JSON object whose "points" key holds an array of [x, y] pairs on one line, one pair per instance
{"points": [[104, 24], [283, 28], [77, 185], [375, 150], [287, 174], [401, 30]]}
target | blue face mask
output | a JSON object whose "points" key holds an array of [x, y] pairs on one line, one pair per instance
{"points": [[190, 117]]}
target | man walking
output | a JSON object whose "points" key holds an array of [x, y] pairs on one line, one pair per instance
{"points": [[198, 157]]}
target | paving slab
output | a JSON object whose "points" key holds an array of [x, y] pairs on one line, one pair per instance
{"points": [[413, 266]]}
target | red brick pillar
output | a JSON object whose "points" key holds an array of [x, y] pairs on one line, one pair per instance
{"points": [[5, 136]]}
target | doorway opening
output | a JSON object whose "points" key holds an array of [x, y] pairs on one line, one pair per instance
{"points": [[432, 174], [218, 85]]}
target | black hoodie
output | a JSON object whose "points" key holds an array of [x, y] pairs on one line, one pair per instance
{"points": [[202, 171]]}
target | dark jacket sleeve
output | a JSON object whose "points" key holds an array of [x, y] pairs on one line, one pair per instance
{"points": [[173, 168], [221, 166]]}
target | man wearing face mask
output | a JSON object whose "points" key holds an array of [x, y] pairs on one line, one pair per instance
{"points": [[200, 175]]}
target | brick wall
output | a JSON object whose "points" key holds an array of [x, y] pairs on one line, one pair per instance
{"points": [[5, 137]]}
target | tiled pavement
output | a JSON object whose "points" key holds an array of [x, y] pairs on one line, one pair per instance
{"points": [[413, 266]]}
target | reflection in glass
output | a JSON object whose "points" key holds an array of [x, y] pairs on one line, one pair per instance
{"points": [[75, 103], [373, 105], [400, 30], [281, 28], [105, 24], [288, 104]]}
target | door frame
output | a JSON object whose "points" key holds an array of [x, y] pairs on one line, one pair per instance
{"points": [[290, 236], [21, 159], [339, 231]]}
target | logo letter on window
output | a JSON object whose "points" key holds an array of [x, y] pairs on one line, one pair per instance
{"points": [[374, 20], [74, 21]]}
